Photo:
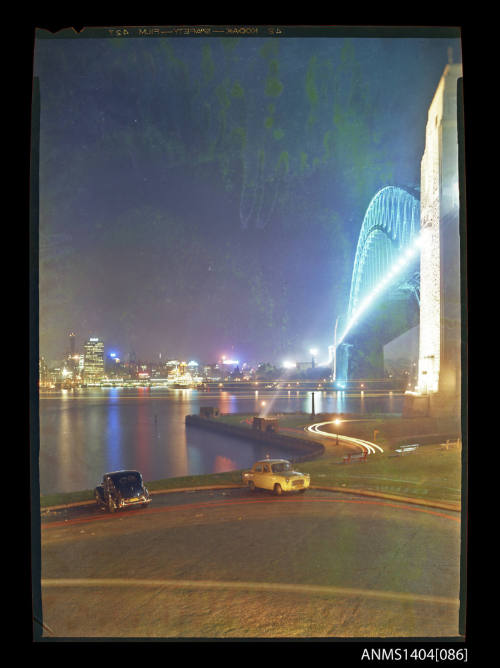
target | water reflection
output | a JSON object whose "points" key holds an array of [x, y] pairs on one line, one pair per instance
{"points": [[222, 464], [340, 403], [143, 434], [113, 440], [64, 441], [227, 402]]}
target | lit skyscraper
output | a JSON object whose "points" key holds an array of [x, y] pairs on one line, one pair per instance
{"points": [[94, 359], [72, 338], [72, 359]]}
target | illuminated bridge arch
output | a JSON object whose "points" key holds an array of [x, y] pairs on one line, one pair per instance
{"points": [[388, 242]]}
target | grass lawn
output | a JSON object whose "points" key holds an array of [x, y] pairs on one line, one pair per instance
{"points": [[429, 473]]}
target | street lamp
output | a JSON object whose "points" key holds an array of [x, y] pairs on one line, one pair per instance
{"points": [[337, 422]]}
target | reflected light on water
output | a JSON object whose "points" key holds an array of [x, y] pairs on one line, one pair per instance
{"points": [[143, 435], [113, 440], [64, 455], [340, 401], [227, 402], [195, 460], [223, 464]]}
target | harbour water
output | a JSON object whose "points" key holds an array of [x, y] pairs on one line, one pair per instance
{"points": [[86, 432]]}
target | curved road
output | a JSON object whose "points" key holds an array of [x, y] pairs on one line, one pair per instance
{"points": [[234, 564], [365, 446]]}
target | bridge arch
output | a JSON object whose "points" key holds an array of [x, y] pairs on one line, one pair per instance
{"points": [[386, 263], [391, 224]]}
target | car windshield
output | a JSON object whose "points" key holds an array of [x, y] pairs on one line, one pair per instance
{"points": [[128, 483], [281, 466], [129, 478]]}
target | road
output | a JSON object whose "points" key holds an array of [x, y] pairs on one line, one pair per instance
{"points": [[236, 564]]}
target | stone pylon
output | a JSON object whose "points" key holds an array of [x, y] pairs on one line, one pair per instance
{"points": [[440, 342]]}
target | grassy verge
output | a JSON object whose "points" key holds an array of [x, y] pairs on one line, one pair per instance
{"points": [[228, 478], [429, 473]]}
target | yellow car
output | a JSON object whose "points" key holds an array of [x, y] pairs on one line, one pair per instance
{"points": [[276, 475]]}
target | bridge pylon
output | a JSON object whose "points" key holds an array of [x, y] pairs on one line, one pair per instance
{"points": [[438, 389]]}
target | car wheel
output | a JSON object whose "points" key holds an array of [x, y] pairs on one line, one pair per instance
{"points": [[277, 489], [251, 486], [111, 505], [301, 491]]}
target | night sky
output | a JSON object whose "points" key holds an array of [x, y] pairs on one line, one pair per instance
{"points": [[204, 196]]}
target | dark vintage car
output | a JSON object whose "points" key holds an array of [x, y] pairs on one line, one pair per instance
{"points": [[122, 489]]}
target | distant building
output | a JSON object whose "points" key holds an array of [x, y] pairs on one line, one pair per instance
{"points": [[43, 372], [93, 367], [72, 339], [212, 372], [72, 356], [304, 365]]}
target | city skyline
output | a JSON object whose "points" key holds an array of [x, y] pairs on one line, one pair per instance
{"points": [[76, 350], [204, 197], [400, 354]]}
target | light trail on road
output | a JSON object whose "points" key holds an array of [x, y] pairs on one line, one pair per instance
{"points": [[248, 586], [366, 446], [152, 510]]}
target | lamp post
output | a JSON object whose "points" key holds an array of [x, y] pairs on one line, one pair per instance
{"points": [[337, 422]]}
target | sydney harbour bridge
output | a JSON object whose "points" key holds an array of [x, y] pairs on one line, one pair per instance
{"points": [[406, 270]]}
